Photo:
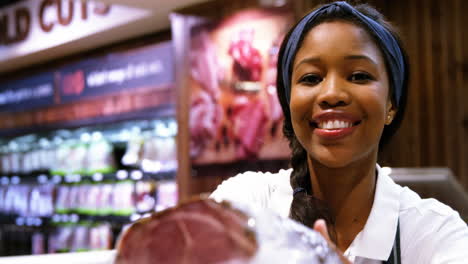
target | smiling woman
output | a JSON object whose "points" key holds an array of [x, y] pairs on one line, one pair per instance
{"points": [[342, 85], [339, 95]]}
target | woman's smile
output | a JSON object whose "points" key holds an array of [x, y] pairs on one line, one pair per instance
{"points": [[334, 125]]}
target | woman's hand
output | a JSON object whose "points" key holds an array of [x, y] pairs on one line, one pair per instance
{"points": [[321, 227]]}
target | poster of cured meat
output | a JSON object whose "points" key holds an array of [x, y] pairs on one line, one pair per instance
{"points": [[234, 110]]}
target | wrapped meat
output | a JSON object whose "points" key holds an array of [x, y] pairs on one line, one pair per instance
{"points": [[209, 232], [249, 121], [205, 119]]}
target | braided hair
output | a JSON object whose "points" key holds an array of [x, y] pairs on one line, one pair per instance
{"points": [[306, 208]]}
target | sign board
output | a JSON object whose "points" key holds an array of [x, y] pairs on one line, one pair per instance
{"points": [[151, 66], [147, 67], [35, 91], [31, 26]]}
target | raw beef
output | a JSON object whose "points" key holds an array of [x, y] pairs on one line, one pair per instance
{"points": [[205, 118], [247, 60], [199, 232], [204, 64], [276, 113], [205, 110], [249, 121]]}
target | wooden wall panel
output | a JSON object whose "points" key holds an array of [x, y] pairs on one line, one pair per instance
{"points": [[444, 28], [461, 51], [413, 123], [435, 130], [453, 133]]}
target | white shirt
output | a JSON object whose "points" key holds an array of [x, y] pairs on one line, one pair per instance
{"points": [[430, 232]]}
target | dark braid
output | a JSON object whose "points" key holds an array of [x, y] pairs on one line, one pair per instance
{"points": [[306, 208]]}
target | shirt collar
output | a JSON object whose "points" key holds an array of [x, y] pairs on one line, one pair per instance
{"points": [[375, 241]]}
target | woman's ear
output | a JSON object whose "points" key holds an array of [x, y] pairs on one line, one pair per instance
{"points": [[391, 111]]}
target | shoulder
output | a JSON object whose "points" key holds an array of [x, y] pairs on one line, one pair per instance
{"points": [[254, 188], [430, 212], [411, 202], [432, 230]]}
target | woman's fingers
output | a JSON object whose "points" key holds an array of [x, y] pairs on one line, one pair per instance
{"points": [[321, 227]]}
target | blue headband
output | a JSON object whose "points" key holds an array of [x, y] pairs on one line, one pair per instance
{"points": [[392, 52]]}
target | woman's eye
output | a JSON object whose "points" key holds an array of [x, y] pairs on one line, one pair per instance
{"points": [[310, 79], [361, 77]]}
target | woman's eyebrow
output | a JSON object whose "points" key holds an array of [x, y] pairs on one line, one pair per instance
{"points": [[309, 60], [361, 57], [312, 60]]}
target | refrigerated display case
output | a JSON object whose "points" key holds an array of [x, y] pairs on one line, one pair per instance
{"points": [[95, 156], [76, 189]]}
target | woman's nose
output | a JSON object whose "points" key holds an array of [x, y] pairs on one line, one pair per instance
{"points": [[333, 93]]}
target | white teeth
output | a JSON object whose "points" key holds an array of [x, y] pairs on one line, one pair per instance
{"points": [[334, 124]]}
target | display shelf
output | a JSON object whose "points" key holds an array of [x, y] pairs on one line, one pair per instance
{"points": [[161, 111], [14, 219], [43, 177], [76, 216], [57, 219]]}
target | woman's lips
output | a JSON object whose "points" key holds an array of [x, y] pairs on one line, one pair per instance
{"points": [[333, 125], [334, 133]]}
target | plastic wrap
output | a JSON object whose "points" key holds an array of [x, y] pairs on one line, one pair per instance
{"points": [[283, 240]]}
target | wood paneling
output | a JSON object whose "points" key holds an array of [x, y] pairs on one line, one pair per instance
{"points": [[435, 129], [461, 62]]}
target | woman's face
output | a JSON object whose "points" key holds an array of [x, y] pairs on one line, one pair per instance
{"points": [[339, 94]]}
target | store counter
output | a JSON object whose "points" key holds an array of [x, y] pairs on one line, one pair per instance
{"points": [[95, 257]]}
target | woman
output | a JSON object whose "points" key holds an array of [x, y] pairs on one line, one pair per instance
{"points": [[342, 83]]}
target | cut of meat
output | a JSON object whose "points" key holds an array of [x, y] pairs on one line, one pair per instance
{"points": [[205, 118], [247, 60], [204, 65], [276, 113], [199, 232], [249, 121]]}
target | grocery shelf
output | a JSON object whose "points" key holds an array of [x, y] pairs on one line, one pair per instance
{"points": [[126, 174]]}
